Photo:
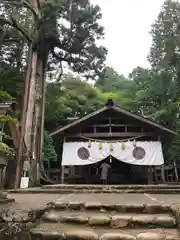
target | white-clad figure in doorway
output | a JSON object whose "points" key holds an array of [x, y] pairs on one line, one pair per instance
{"points": [[104, 172]]}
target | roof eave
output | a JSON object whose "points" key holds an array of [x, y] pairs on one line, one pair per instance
{"points": [[147, 121]]}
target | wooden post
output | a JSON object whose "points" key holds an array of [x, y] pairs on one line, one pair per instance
{"points": [[62, 167], [62, 175], [155, 175], [175, 169], [150, 180], [162, 174]]}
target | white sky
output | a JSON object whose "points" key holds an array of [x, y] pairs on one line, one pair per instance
{"points": [[127, 24]]}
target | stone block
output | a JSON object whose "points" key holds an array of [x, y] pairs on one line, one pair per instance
{"points": [[120, 221], [144, 219], [60, 205], [99, 220], [81, 235], [153, 209], [75, 205], [108, 207], [38, 234], [117, 236], [92, 205], [151, 236], [51, 216], [172, 238], [134, 208], [120, 208], [166, 221], [74, 219]]}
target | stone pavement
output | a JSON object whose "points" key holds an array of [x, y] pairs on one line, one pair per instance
{"points": [[29, 200]]}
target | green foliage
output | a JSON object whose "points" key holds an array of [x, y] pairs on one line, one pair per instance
{"points": [[72, 29], [6, 118], [174, 149], [66, 30], [116, 86], [49, 154], [71, 97], [4, 96], [110, 81], [11, 82], [5, 149], [164, 53], [163, 86]]}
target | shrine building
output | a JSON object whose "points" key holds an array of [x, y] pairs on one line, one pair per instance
{"points": [[132, 145]]}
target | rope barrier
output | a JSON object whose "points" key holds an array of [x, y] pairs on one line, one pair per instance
{"points": [[112, 141]]}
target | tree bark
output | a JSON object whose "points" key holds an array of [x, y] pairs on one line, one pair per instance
{"points": [[32, 124], [38, 120], [31, 104], [23, 119]]}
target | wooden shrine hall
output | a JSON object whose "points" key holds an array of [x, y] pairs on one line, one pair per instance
{"points": [[131, 144]]}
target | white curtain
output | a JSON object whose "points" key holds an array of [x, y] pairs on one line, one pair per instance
{"points": [[152, 153]]}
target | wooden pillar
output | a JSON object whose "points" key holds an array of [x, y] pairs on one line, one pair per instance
{"points": [[175, 169], [155, 175], [62, 175], [162, 174], [62, 167], [150, 178]]}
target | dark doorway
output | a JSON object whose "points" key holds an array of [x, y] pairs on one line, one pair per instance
{"points": [[119, 173]]}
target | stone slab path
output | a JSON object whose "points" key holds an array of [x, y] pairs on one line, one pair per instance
{"points": [[27, 201]]}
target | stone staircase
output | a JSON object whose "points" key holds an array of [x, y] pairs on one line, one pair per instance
{"points": [[75, 220]]}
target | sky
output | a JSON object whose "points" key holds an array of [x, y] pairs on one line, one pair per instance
{"points": [[127, 26]]}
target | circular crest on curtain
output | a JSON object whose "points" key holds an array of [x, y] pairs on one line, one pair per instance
{"points": [[139, 153], [83, 153]]}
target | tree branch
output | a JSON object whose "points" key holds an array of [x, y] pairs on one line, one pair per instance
{"points": [[21, 30], [14, 24], [23, 3], [30, 7], [69, 59], [38, 4]]}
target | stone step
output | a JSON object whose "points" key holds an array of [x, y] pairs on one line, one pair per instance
{"points": [[111, 220], [103, 207], [109, 187], [94, 190], [58, 231]]}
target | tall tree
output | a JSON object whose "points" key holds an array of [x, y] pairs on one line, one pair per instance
{"points": [[58, 32]]}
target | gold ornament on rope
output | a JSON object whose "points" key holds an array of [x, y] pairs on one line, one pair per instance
{"points": [[100, 145], [134, 143], [111, 147], [123, 146], [89, 144]]}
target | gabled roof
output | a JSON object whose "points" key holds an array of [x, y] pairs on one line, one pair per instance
{"points": [[110, 105]]}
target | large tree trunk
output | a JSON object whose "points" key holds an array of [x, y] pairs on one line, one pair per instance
{"points": [[31, 130], [20, 151], [31, 104], [32, 124], [38, 118]]}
